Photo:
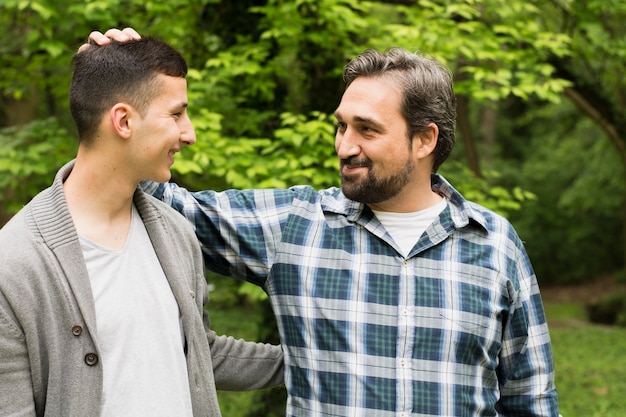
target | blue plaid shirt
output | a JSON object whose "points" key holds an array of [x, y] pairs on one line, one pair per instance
{"points": [[455, 329]]}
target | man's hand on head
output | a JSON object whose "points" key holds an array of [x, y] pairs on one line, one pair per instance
{"points": [[99, 38]]}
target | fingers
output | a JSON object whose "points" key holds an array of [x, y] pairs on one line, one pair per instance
{"points": [[99, 38], [124, 35], [132, 33]]}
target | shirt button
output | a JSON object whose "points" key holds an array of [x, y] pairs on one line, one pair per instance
{"points": [[91, 359], [77, 330]]}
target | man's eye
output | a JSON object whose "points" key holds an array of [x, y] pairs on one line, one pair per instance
{"points": [[340, 126]]}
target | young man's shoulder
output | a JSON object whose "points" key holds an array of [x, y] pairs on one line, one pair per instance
{"points": [[20, 228], [22, 246], [13, 232], [152, 208]]}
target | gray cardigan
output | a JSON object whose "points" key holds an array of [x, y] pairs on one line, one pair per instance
{"points": [[49, 357]]}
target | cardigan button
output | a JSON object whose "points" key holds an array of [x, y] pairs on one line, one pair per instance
{"points": [[77, 330], [91, 359]]}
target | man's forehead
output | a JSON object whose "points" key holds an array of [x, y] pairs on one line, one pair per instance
{"points": [[366, 109]]}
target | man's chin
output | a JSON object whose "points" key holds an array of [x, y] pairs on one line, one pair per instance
{"points": [[351, 190]]}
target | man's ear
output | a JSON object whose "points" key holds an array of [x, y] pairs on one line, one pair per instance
{"points": [[121, 120], [424, 143]]}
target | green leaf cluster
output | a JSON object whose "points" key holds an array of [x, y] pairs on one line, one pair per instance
{"points": [[29, 158]]}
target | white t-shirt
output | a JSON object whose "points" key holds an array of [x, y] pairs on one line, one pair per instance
{"points": [[139, 329], [407, 228]]}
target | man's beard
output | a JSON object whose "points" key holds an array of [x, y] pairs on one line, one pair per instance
{"points": [[373, 189]]}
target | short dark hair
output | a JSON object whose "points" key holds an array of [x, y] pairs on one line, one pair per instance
{"points": [[116, 72], [427, 90]]}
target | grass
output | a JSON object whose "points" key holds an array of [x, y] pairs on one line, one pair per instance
{"points": [[590, 371], [590, 363], [590, 360]]}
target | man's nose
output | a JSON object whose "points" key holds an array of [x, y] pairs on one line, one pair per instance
{"points": [[187, 134], [346, 144]]}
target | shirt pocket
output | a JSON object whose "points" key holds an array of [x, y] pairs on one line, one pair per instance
{"points": [[473, 339]]}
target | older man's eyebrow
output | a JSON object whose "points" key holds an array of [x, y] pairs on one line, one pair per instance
{"points": [[360, 119], [368, 121]]}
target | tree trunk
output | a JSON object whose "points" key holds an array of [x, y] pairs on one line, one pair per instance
{"points": [[488, 131], [19, 112], [464, 126]]}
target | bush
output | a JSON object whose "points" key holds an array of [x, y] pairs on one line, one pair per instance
{"points": [[610, 309]]}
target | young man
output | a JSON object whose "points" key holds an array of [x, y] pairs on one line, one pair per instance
{"points": [[394, 295], [102, 288]]}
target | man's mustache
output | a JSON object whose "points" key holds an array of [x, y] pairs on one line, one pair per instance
{"points": [[356, 162]]}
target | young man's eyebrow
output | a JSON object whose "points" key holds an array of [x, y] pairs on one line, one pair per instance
{"points": [[180, 106]]}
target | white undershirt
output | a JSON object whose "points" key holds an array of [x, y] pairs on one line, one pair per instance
{"points": [[407, 228], [139, 331]]}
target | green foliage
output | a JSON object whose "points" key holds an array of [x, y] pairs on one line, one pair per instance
{"points": [[498, 47], [599, 45], [40, 37], [29, 157], [301, 151], [485, 190], [570, 230]]}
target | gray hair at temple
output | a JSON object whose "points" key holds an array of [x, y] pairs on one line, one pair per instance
{"points": [[426, 86]]}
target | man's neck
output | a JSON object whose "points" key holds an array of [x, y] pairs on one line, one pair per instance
{"points": [[100, 202]]}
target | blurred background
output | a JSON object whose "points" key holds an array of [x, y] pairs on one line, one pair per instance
{"points": [[541, 134]]}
